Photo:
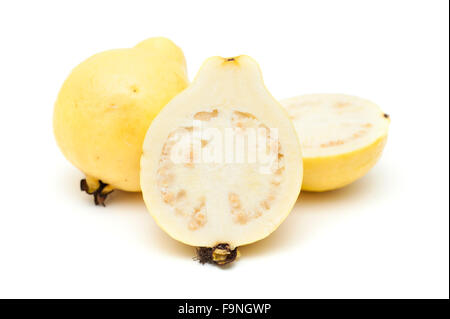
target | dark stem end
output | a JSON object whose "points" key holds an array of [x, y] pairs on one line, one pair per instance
{"points": [[100, 193], [219, 255]]}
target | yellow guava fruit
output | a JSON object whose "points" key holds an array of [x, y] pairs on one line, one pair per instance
{"points": [[342, 138], [221, 164], [105, 107]]}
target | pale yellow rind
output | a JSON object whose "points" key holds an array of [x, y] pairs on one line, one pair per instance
{"points": [[107, 103], [225, 85], [333, 172]]}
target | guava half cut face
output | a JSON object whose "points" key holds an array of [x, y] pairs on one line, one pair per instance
{"points": [[333, 124], [221, 164], [342, 138]]}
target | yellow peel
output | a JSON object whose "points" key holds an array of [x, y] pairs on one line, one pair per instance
{"points": [[106, 105]]}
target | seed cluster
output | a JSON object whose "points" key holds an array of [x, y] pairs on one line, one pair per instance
{"points": [[298, 110], [194, 209], [171, 193]]}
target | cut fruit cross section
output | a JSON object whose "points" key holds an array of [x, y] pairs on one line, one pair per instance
{"points": [[342, 137], [221, 164]]}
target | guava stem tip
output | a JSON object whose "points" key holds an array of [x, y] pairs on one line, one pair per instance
{"points": [[220, 255], [98, 193]]}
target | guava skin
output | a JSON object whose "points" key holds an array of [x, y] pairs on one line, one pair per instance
{"points": [[106, 105]]}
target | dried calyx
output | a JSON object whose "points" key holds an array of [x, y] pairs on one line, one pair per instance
{"points": [[96, 188], [221, 254]]}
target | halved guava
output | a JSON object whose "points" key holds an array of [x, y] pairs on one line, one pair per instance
{"points": [[342, 137], [221, 164]]}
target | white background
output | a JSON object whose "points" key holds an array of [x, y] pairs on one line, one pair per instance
{"points": [[386, 235]]}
